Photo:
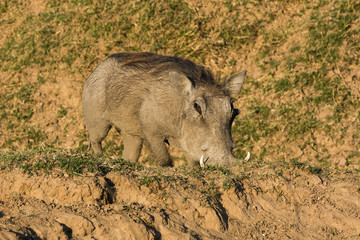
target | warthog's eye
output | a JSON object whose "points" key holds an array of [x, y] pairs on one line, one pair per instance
{"points": [[197, 108]]}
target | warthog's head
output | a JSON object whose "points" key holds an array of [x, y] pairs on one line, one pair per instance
{"points": [[207, 118]]}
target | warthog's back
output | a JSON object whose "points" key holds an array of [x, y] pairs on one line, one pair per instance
{"points": [[150, 67]]}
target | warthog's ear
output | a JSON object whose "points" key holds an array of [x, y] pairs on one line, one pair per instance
{"points": [[234, 83], [181, 82]]}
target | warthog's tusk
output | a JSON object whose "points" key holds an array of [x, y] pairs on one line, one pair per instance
{"points": [[247, 157], [202, 162]]}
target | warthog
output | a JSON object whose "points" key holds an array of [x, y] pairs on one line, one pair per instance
{"points": [[162, 100]]}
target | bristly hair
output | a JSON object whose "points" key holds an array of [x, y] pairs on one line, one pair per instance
{"points": [[156, 65]]}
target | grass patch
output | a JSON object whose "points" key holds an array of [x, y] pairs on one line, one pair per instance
{"points": [[73, 162], [297, 68]]}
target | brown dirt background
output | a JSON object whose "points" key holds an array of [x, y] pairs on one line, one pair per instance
{"points": [[116, 207], [263, 205]]}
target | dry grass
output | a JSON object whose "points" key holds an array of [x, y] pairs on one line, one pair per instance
{"points": [[300, 104]]}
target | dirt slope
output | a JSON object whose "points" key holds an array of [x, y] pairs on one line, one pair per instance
{"points": [[116, 206]]}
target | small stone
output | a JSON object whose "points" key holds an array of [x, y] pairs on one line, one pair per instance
{"points": [[315, 180], [342, 162]]}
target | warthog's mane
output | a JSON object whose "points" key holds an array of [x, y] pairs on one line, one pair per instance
{"points": [[158, 65]]}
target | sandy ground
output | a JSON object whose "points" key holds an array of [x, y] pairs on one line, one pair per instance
{"points": [[115, 206]]}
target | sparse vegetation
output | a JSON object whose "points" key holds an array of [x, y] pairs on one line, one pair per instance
{"points": [[297, 81]]}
